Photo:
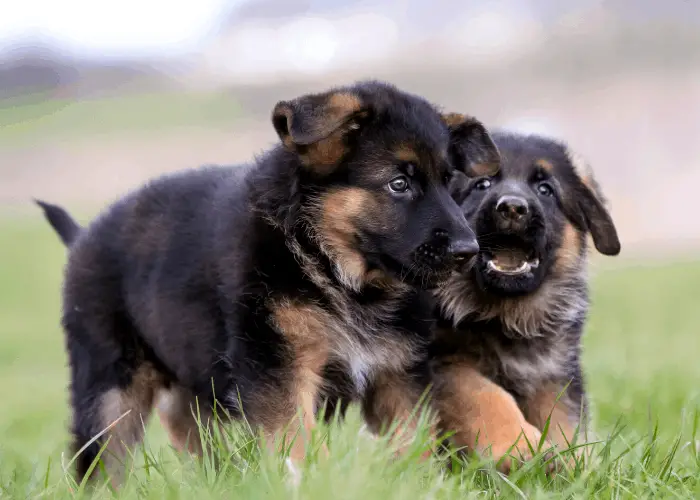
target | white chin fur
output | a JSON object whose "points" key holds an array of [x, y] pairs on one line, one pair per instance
{"points": [[525, 267]]}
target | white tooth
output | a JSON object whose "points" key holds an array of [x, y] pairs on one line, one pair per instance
{"points": [[523, 268]]}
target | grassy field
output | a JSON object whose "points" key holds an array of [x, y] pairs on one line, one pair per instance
{"points": [[642, 355]]}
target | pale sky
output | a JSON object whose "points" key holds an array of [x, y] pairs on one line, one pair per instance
{"points": [[111, 27]]}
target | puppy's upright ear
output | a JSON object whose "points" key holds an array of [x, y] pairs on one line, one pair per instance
{"points": [[472, 150], [587, 200], [316, 126]]}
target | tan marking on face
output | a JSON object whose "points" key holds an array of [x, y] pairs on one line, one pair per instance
{"points": [[484, 169], [545, 165], [484, 417], [429, 166], [125, 412], [406, 153], [341, 211], [569, 255]]}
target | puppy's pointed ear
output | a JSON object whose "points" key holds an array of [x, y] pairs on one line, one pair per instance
{"points": [[472, 150], [316, 126], [588, 201]]}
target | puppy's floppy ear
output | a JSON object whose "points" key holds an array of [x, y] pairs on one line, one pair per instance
{"points": [[472, 150], [588, 200], [458, 186], [315, 126]]}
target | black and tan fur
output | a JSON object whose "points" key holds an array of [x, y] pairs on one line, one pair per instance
{"points": [[507, 355], [246, 285]]}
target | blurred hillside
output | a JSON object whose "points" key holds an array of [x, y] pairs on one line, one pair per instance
{"points": [[618, 79]]}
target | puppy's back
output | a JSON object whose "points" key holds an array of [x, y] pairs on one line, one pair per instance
{"points": [[154, 250]]}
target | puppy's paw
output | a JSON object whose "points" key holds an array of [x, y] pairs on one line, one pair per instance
{"points": [[511, 448]]}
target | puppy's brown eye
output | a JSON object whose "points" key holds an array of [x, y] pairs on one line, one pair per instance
{"points": [[482, 184], [399, 184], [545, 189]]}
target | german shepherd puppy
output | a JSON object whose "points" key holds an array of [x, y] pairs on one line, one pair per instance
{"points": [[507, 355], [237, 286]]}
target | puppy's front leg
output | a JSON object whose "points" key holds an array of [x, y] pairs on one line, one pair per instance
{"points": [[565, 410], [304, 329], [391, 405], [483, 416]]}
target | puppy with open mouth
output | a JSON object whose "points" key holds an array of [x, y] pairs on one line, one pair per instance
{"points": [[507, 356]]}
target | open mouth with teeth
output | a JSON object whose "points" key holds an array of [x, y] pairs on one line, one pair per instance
{"points": [[504, 263], [510, 258]]}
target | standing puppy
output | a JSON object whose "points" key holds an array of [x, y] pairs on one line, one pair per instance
{"points": [[238, 286], [509, 345]]}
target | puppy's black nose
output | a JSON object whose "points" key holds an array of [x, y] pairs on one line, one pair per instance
{"points": [[463, 249], [512, 207]]}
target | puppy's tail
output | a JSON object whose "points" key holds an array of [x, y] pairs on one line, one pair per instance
{"points": [[61, 221]]}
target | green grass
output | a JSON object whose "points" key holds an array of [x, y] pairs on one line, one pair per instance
{"points": [[29, 119], [641, 358]]}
